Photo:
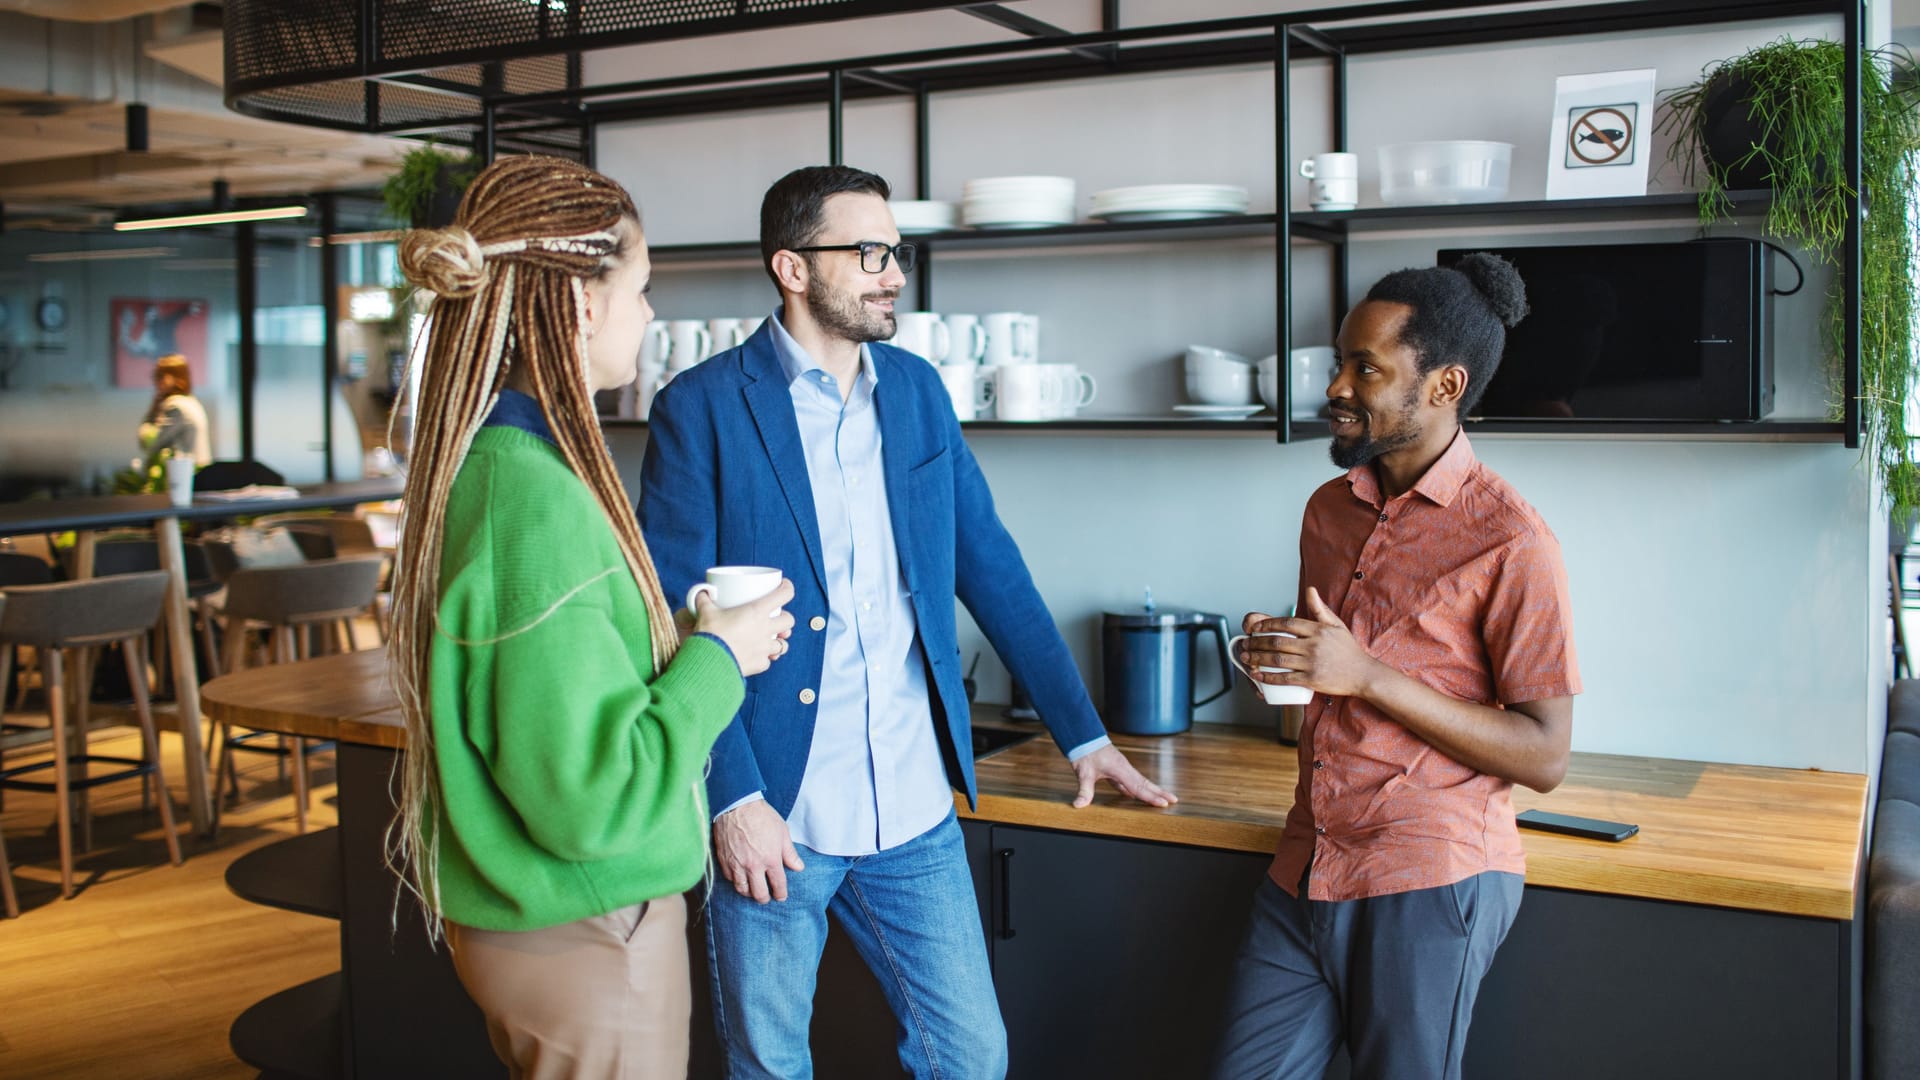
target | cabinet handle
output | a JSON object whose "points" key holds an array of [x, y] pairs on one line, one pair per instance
{"points": [[1006, 893]]}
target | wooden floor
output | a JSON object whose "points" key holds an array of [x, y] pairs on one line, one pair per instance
{"points": [[140, 974]]}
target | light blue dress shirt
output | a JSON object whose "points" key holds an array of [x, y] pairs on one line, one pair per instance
{"points": [[874, 777]]}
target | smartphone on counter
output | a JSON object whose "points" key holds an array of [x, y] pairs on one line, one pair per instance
{"points": [[1591, 828]]}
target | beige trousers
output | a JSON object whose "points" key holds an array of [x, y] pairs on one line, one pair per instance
{"points": [[605, 997]]}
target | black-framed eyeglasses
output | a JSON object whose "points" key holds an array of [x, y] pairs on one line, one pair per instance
{"points": [[874, 254]]}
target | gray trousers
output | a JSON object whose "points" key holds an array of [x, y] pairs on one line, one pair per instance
{"points": [[1393, 977]]}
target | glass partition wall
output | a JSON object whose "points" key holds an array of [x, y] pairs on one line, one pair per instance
{"points": [[85, 312]]}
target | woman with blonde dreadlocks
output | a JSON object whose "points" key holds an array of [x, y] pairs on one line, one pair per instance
{"points": [[553, 809]]}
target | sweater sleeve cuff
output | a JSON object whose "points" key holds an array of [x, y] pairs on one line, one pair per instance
{"points": [[715, 638]]}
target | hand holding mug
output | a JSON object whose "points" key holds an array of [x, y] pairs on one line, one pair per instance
{"points": [[1318, 653], [755, 630]]}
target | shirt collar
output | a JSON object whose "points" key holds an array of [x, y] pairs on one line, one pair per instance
{"points": [[517, 410], [796, 361], [1439, 484]]}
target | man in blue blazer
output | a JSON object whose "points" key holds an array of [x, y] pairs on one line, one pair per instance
{"points": [[815, 449]]}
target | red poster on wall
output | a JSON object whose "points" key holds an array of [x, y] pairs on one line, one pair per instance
{"points": [[146, 330]]}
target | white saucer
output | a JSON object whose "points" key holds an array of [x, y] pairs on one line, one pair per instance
{"points": [[1219, 412]]}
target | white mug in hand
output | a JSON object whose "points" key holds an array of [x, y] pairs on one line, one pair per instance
{"points": [[1274, 695], [731, 586]]}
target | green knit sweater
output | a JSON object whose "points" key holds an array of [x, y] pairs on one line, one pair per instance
{"points": [[571, 780]]}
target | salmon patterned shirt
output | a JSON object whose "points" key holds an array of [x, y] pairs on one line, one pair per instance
{"points": [[1457, 583]]}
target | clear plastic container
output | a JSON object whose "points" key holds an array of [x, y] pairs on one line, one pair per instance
{"points": [[1448, 171]]}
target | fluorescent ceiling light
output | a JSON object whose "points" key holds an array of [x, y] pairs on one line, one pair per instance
{"points": [[102, 254], [218, 217]]}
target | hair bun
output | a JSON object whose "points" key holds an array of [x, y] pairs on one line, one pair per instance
{"points": [[1495, 279], [448, 262]]}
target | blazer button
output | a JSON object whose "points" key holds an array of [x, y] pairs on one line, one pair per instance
{"points": [[806, 697], [816, 623]]}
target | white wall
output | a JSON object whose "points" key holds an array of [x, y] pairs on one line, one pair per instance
{"points": [[1729, 596]]}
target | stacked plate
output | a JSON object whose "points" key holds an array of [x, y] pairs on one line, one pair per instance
{"points": [[1168, 202], [1018, 202], [917, 216]]}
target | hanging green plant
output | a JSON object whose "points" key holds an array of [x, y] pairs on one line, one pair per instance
{"points": [[1773, 117], [427, 189]]}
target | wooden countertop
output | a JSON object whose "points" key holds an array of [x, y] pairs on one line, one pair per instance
{"points": [[1739, 836]]}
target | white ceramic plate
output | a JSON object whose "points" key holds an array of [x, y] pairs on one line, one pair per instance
{"points": [[1218, 412], [1121, 217]]}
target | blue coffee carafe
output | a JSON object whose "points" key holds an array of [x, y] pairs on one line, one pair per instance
{"points": [[1147, 657]]}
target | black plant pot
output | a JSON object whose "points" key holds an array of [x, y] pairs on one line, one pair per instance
{"points": [[444, 203], [1730, 131]]}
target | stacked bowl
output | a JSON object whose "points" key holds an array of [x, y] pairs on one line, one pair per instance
{"points": [[1218, 377], [1018, 202]]}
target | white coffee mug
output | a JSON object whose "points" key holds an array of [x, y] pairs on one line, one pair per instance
{"points": [[688, 342], [180, 469], [969, 339], [724, 334], [654, 346], [1012, 338], [1274, 695], [1077, 388], [1026, 392], [750, 327], [923, 334], [731, 586], [644, 388], [970, 392], [1336, 181]]}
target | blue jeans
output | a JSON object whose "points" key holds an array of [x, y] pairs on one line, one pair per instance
{"points": [[911, 914]]}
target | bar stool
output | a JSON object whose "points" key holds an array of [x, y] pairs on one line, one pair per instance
{"points": [[72, 617], [286, 599]]}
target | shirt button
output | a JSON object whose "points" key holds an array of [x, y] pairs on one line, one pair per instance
{"points": [[1358, 574], [1383, 515], [866, 607], [1321, 829], [817, 623], [1319, 764], [826, 378], [806, 697]]}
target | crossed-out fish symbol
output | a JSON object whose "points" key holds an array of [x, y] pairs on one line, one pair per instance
{"points": [[1603, 135]]}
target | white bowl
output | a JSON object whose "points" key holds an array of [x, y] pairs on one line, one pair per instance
{"points": [[1268, 370], [1203, 359], [1221, 387], [1447, 171], [924, 215]]}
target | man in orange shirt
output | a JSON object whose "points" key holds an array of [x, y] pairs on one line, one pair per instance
{"points": [[1436, 634]]}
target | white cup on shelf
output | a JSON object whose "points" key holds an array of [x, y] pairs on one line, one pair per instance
{"points": [[1012, 338], [688, 342], [923, 334], [968, 339], [1076, 389], [1026, 392], [968, 389], [1336, 180]]}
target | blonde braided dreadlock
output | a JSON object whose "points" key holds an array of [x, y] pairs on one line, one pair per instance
{"points": [[508, 279]]}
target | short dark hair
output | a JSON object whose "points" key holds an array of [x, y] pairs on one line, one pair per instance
{"points": [[1461, 314], [791, 211]]}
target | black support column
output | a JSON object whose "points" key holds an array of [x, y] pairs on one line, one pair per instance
{"points": [[244, 273]]}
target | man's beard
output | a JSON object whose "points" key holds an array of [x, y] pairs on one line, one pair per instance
{"points": [[1368, 446], [849, 318]]}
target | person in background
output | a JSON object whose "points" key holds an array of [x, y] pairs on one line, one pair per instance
{"points": [[552, 810], [176, 420], [817, 449], [1435, 631]]}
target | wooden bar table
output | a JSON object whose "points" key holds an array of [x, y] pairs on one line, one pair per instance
{"points": [[121, 511]]}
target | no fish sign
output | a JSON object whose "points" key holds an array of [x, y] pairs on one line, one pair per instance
{"points": [[1602, 136], [1596, 146]]}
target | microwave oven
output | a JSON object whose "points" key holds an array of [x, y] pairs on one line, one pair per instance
{"points": [[1663, 332]]}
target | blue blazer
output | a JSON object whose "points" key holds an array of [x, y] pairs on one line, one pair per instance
{"points": [[725, 483]]}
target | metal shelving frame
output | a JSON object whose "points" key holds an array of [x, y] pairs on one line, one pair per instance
{"points": [[1047, 53]]}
